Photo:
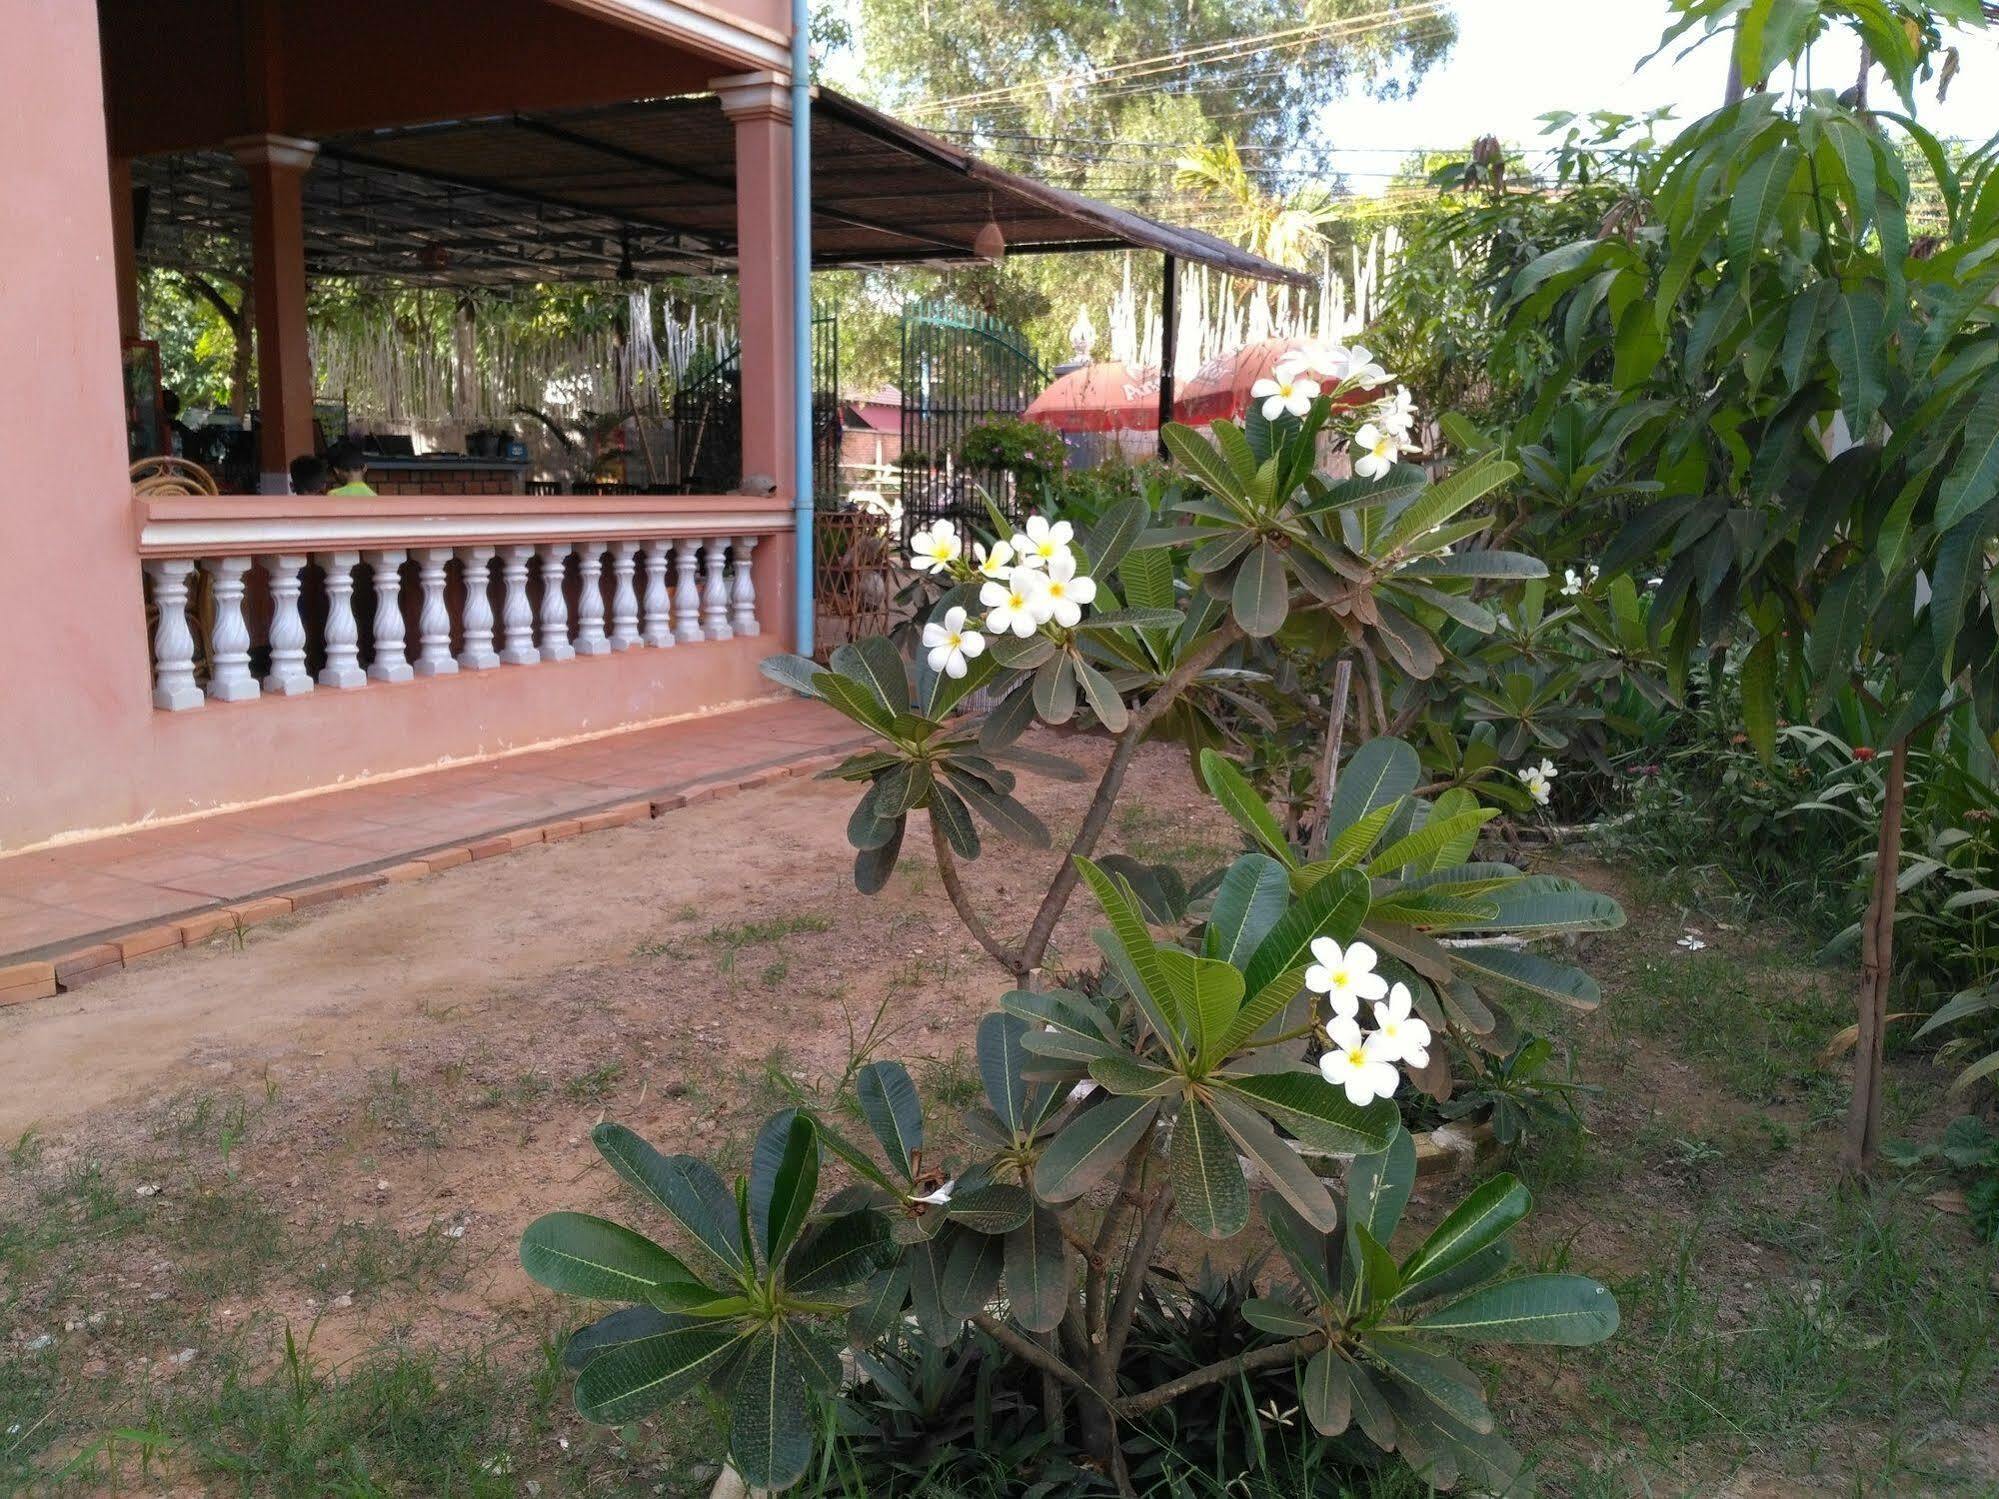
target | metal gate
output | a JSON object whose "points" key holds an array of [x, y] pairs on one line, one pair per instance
{"points": [[708, 419], [960, 368]]}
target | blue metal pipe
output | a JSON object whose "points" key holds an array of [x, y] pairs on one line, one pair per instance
{"points": [[801, 312]]}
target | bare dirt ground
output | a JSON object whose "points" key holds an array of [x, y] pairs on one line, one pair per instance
{"points": [[337, 1127]]}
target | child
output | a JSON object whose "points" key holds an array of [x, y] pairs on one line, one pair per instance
{"points": [[350, 470], [308, 475]]}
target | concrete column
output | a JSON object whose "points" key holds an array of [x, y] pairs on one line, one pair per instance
{"points": [[277, 165], [124, 249], [760, 107]]}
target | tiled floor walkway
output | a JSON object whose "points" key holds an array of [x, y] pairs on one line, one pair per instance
{"points": [[59, 901]]}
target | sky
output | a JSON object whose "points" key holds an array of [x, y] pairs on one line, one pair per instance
{"points": [[1518, 59]]}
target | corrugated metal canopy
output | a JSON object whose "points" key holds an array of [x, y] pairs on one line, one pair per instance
{"points": [[645, 188]]}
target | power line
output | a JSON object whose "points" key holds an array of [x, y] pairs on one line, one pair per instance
{"points": [[1119, 74]]}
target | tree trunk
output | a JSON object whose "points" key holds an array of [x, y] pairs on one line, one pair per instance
{"points": [[239, 364], [1877, 971]]}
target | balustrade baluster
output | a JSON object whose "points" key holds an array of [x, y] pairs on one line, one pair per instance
{"points": [[174, 687], [658, 600], [686, 593], [433, 620], [516, 617], [229, 679], [590, 639], [343, 633], [288, 676], [391, 663], [715, 593], [624, 601], [555, 644], [743, 597], [475, 566]]}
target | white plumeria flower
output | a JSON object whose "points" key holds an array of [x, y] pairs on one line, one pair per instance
{"points": [[1397, 414], [1284, 394], [1063, 593], [1361, 368], [1691, 943], [1042, 541], [1546, 769], [995, 564], [1358, 1065], [951, 644], [1536, 784], [1020, 604], [1403, 1034], [939, 1197], [935, 547], [1574, 582], [1374, 451], [1346, 975]]}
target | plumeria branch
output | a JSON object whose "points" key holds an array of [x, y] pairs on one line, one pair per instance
{"points": [[1275, 1356], [961, 900]]}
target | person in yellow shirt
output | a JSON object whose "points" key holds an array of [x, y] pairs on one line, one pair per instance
{"points": [[350, 470]]}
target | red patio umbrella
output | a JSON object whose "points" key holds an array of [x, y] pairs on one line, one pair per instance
{"points": [[1107, 397], [1221, 387]]}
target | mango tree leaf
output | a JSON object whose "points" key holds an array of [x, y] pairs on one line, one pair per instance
{"points": [[1758, 680], [1569, 1311], [1853, 337], [1974, 479]]}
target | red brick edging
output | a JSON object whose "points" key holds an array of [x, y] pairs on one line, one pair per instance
{"points": [[42, 978]]}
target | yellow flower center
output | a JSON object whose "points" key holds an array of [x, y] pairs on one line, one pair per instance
{"points": [[1056, 588], [954, 640], [1355, 1057], [1342, 979]]}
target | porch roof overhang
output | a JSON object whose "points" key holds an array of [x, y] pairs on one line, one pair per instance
{"points": [[644, 188]]}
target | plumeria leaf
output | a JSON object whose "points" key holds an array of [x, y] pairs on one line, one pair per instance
{"points": [[1532, 972], [1370, 1410], [1206, 994], [1379, 1278], [1334, 907], [857, 701], [875, 663], [1445, 499], [1111, 537], [1436, 834], [842, 1252], [770, 1426], [1319, 1114], [1327, 1394], [635, 1378], [889, 1103], [1379, 1185], [1261, 1008], [1381, 771], [1055, 688], [954, 820], [784, 1179], [1055, 767], [876, 1315], [971, 1273], [1123, 1073], [1231, 788], [1006, 816], [1282, 1167], [1248, 903], [1016, 654], [1472, 1271], [1001, 1058], [1090, 1145], [1570, 1311], [1103, 698], [1442, 1381], [1478, 1222], [795, 672], [1009, 718], [628, 1324], [1307, 1248], [1208, 1186], [589, 1256], [1351, 843], [1278, 1318], [1131, 949], [1261, 597], [1037, 1270], [1131, 619], [873, 866], [947, 691], [687, 1190], [1202, 459]]}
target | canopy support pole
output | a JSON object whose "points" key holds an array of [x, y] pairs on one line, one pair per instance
{"points": [[801, 316], [1169, 333]]}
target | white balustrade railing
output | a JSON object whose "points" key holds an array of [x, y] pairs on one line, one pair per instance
{"points": [[555, 600]]}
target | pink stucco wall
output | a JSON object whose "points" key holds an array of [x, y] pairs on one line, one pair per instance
{"points": [[81, 747]]}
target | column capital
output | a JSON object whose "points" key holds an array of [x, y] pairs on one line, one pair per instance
{"points": [[266, 149], [763, 95]]}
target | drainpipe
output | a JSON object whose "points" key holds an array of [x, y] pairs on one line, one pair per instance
{"points": [[801, 312]]}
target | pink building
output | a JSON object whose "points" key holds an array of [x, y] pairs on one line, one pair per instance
{"points": [[173, 655]]}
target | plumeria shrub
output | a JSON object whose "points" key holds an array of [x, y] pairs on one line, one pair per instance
{"points": [[1243, 1034]]}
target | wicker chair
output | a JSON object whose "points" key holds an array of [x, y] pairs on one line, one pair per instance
{"points": [[170, 476]]}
